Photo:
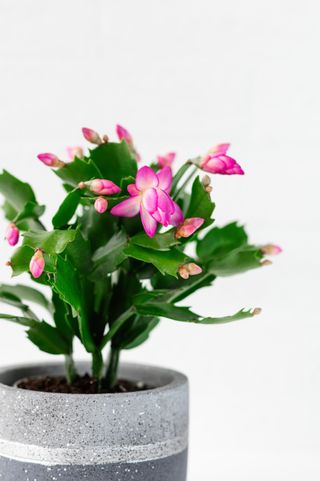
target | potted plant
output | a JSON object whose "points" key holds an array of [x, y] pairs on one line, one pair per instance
{"points": [[126, 246]]}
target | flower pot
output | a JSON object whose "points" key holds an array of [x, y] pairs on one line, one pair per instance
{"points": [[139, 436]]}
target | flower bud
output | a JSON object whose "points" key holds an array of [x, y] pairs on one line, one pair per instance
{"points": [[271, 250], [190, 269], [188, 227], [166, 160], [183, 272], [216, 161], [51, 160], [124, 134], [266, 262], [256, 311], [12, 234], [37, 264], [206, 181], [101, 205], [91, 136], [100, 186], [75, 152], [194, 269]]}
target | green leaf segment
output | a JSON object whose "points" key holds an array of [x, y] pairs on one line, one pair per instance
{"points": [[105, 281]]}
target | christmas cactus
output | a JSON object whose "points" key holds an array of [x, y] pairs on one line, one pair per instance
{"points": [[128, 243]]}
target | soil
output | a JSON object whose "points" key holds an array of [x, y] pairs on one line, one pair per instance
{"points": [[82, 385]]}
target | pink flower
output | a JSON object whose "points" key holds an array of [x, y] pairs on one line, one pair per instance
{"points": [[190, 269], [150, 197], [91, 136], [100, 186], [51, 160], [124, 134], [166, 160], [217, 162], [12, 234], [37, 264], [75, 152], [101, 205], [271, 250], [189, 226]]}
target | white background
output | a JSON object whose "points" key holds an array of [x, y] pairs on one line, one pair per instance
{"points": [[184, 75]]}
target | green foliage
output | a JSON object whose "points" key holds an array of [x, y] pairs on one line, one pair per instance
{"points": [[200, 203], [167, 262], [110, 282], [53, 242], [67, 209], [219, 241]]}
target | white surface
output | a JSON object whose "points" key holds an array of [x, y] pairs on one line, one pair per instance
{"points": [[184, 75]]}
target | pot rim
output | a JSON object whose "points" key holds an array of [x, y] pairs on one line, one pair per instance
{"points": [[175, 379]]}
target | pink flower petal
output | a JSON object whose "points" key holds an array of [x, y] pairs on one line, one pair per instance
{"points": [[127, 208], [194, 269], [123, 133], [166, 160], [75, 152], [146, 179], [165, 202], [219, 149], [148, 222], [132, 189], [177, 216], [165, 179], [150, 200], [189, 227]]}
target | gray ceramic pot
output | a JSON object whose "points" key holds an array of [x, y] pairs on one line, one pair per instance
{"points": [[111, 437]]}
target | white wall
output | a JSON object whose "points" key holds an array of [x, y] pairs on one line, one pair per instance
{"points": [[184, 75]]}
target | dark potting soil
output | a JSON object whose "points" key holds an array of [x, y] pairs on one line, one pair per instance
{"points": [[82, 385]]}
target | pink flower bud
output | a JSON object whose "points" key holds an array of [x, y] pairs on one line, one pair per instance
{"points": [[218, 162], [194, 269], [51, 160], [183, 272], [37, 264], [190, 269], [166, 160], [91, 136], [101, 205], [271, 250], [12, 234], [100, 186], [75, 152], [189, 226], [124, 134]]}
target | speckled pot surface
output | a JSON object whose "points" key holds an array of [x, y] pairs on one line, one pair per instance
{"points": [[139, 436]]}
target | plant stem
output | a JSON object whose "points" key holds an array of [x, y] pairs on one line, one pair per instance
{"points": [[70, 368], [97, 366], [178, 176], [112, 372], [185, 183]]}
